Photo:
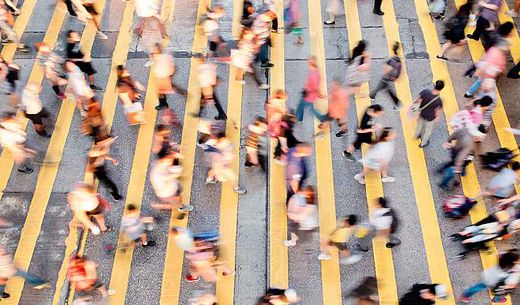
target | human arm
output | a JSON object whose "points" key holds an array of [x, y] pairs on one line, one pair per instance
{"points": [[488, 6]]}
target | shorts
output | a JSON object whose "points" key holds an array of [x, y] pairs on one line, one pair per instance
{"points": [[37, 118], [85, 67], [362, 138], [97, 211]]}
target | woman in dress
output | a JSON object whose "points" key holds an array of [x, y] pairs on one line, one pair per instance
{"points": [[379, 156], [454, 32], [358, 69]]}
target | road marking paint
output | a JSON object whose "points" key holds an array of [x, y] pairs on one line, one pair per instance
{"points": [[330, 276], [110, 96], [383, 258], [278, 257], [46, 177], [172, 274]]}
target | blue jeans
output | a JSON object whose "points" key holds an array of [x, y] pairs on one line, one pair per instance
{"points": [[301, 109], [447, 176], [33, 280], [474, 87], [474, 290]]}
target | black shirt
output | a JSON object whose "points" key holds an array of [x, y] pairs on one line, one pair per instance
{"points": [[414, 296], [428, 113], [74, 51], [367, 121]]}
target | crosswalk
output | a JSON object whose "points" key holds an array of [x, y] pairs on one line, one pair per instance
{"points": [[156, 277]]}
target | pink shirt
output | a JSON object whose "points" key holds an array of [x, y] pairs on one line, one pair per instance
{"points": [[312, 85]]}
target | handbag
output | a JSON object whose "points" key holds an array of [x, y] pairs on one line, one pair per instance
{"points": [[415, 109]]}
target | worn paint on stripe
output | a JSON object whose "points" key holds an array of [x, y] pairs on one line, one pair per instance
{"points": [[108, 109], [278, 257], [330, 276], [383, 259], [225, 286], [172, 274]]}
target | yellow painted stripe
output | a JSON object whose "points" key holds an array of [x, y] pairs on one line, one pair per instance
{"points": [[123, 260], [172, 274], [383, 259], [19, 26], [330, 276], [278, 257], [44, 184], [229, 199], [108, 109], [36, 76], [514, 39]]}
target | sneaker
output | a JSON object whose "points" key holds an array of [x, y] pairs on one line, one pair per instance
{"points": [[102, 35], [264, 86], [360, 179], [211, 180], [512, 13], [116, 196], [329, 22], [466, 95], [266, 65], [25, 170], [191, 279], [352, 259], [388, 179], [349, 156], [380, 13], [324, 257], [239, 190], [148, 64], [185, 208], [6, 40], [320, 135], [24, 48], [423, 145], [441, 57], [289, 243], [42, 286], [159, 108], [150, 243], [464, 299], [94, 87], [499, 299], [340, 134], [5, 295], [358, 247]]}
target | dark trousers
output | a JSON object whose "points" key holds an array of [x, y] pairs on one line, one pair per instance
{"points": [[263, 54], [377, 5], [101, 174], [482, 25], [206, 100], [514, 72], [382, 85]]}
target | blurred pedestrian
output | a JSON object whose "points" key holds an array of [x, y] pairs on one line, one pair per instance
{"points": [[377, 8], [379, 156], [52, 65], [276, 296], [133, 226], [391, 72], [86, 203], [76, 56], [6, 27], [358, 68], [502, 185], [454, 32], [256, 144], [208, 81], [338, 108], [210, 24], [14, 139], [292, 20], [424, 294], [429, 110], [333, 8], [302, 213], [296, 170], [366, 131], [79, 87], [311, 91], [514, 11], [129, 92], [83, 277], [33, 108], [85, 11], [262, 27], [98, 154], [164, 70], [149, 13], [338, 239], [94, 124], [366, 292], [488, 16], [383, 224]]}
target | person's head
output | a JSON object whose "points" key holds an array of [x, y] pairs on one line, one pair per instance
{"points": [[157, 48], [350, 220], [437, 291], [303, 150], [42, 48], [359, 49], [73, 36], [508, 260], [439, 85], [381, 202], [505, 29], [484, 102], [309, 193], [395, 47], [162, 129], [131, 207], [280, 94], [312, 61], [388, 134], [375, 110], [515, 165]]}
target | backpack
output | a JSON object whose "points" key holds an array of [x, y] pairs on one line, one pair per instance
{"points": [[395, 220], [457, 206], [498, 159], [397, 66]]}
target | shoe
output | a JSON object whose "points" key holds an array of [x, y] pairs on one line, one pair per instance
{"points": [[5, 295], [211, 180], [324, 257], [6, 40], [185, 208], [464, 299], [499, 299], [421, 145], [239, 190], [264, 86], [116, 196], [466, 95], [25, 170], [94, 87], [442, 57], [349, 156], [159, 108], [352, 259], [249, 164], [191, 279], [23, 48], [320, 135], [148, 64], [340, 134], [289, 243], [388, 179], [380, 13], [42, 286], [471, 37], [512, 13], [329, 22], [266, 65], [61, 96], [220, 118], [359, 178], [358, 247], [228, 273], [102, 35], [150, 243]]}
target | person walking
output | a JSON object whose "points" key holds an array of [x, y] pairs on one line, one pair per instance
{"points": [[208, 81], [514, 11], [149, 12], [454, 32], [429, 105], [311, 92], [33, 108], [333, 8], [97, 156], [9, 270], [358, 68], [391, 72], [377, 8], [13, 138], [338, 108], [296, 170], [383, 224], [424, 294], [164, 70], [86, 203], [292, 20], [134, 227], [79, 88], [488, 16], [366, 130], [302, 213], [76, 56], [85, 11], [6, 27], [83, 277], [339, 239], [52, 65], [276, 296], [379, 156]]}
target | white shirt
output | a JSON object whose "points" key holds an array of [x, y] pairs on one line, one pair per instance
{"points": [[207, 75], [78, 83], [11, 134], [31, 102], [164, 183], [379, 221], [146, 8], [492, 276], [164, 66], [184, 240]]}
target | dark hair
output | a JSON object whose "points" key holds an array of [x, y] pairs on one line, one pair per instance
{"points": [[382, 202], [69, 32], [120, 67], [439, 85], [358, 50], [395, 47], [161, 127], [507, 260], [515, 165], [465, 9], [376, 107], [505, 28], [351, 219], [131, 207], [484, 101]]}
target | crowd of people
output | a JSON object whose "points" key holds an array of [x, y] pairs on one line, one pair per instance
{"points": [[72, 75]]}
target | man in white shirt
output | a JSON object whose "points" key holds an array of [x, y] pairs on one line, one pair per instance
{"points": [[33, 108], [148, 11], [207, 76]]}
